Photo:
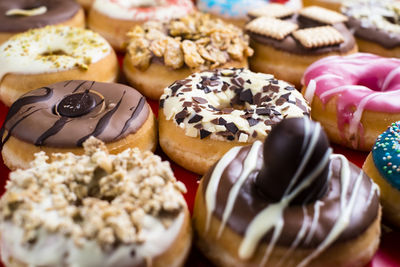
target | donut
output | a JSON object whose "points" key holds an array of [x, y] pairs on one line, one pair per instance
{"points": [[355, 98], [159, 54], [208, 113], [375, 25], [52, 54], [286, 42], [330, 4], [114, 18], [233, 11], [17, 16], [95, 209], [382, 165], [289, 203], [61, 116]]}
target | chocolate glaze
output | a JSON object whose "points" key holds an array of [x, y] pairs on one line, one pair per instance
{"points": [[250, 203], [290, 44], [65, 114], [58, 11], [373, 34], [278, 162]]}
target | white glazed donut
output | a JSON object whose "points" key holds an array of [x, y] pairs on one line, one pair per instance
{"points": [[95, 210], [48, 55], [206, 114]]}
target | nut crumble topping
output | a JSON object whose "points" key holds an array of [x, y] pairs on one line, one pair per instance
{"points": [[197, 41], [96, 196]]}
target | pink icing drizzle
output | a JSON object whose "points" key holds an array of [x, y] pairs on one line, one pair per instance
{"points": [[361, 81]]}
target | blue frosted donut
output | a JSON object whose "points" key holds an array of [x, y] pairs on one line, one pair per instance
{"points": [[230, 9], [386, 154]]}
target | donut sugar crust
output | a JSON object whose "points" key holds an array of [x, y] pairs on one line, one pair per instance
{"points": [[206, 114], [159, 53], [96, 209], [288, 41], [355, 97], [61, 116], [289, 203], [114, 18], [17, 16], [378, 33], [51, 54], [382, 165]]}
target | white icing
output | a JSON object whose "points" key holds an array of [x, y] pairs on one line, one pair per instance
{"points": [[211, 192], [143, 10], [27, 12], [249, 165], [56, 250], [314, 222], [345, 212], [22, 53], [221, 99], [270, 217]]}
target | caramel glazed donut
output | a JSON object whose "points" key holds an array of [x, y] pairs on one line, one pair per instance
{"points": [[291, 204], [52, 54], [376, 25], [17, 16], [159, 54], [208, 113], [61, 116], [114, 18], [97, 209], [286, 42]]}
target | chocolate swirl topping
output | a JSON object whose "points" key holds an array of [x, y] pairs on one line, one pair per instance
{"points": [[279, 163], [343, 203], [57, 11], [65, 114]]}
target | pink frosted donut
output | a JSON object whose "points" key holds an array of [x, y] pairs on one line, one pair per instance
{"points": [[354, 97]]}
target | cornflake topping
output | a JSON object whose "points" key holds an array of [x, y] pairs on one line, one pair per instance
{"points": [[96, 196], [196, 41]]}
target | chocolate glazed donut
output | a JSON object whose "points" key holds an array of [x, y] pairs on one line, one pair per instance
{"points": [[58, 11], [65, 114], [289, 203]]}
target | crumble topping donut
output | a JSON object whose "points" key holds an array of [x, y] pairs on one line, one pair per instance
{"points": [[114, 18], [95, 210], [383, 166], [208, 113], [286, 41], [233, 11], [17, 16], [354, 97], [159, 53], [376, 25], [289, 203], [48, 55], [61, 116]]}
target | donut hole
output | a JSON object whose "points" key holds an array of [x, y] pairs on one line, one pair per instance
{"points": [[370, 81]]}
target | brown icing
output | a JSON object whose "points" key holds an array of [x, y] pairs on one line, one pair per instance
{"points": [[292, 45], [65, 114], [57, 11], [250, 202]]}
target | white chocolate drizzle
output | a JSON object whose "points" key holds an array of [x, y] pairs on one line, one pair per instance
{"points": [[248, 167], [27, 12], [211, 192]]}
